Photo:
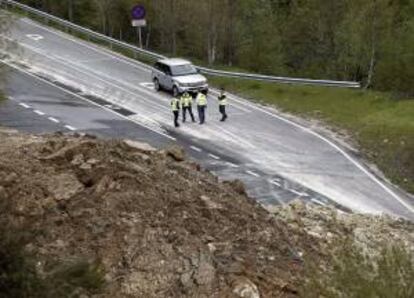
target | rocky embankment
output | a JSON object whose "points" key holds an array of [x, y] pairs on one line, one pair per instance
{"points": [[159, 225]]}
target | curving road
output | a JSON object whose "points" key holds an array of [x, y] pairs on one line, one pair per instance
{"points": [[278, 159]]}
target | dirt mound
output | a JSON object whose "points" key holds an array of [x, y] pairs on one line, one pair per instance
{"points": [[160, 226]]}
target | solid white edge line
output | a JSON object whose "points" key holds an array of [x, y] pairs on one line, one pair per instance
{"points": [[346, 155], [70, 127], [87, 100], [252, 173], [24, 105], [214, 156], [39, 112], [340, 150], [196, 148]]}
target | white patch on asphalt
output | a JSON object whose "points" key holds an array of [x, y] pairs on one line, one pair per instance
{"points": [[148, 85], [35, 37], [112, 107], [53, 120], [39, 112], [24, 105], [70, 127]]}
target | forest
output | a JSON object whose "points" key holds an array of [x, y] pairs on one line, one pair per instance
{"points": [[370, 41]]}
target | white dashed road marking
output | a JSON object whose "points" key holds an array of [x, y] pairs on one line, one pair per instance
{"points": [[252, 173], [196, 148], [232, 165], [296, 192], [70, 127], [275, 183], [316, 201], [214, 156], [53, 119], [39, 112], [24, 105]]}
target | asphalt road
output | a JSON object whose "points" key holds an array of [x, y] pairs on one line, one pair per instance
{"points": [[277, 158]]}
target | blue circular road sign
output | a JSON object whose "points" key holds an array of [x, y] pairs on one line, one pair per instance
{"points": [[138, 12]]}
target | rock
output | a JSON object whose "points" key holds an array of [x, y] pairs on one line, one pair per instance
{"points": [[77, 160], [237, 186], [186, 280], [244, 288], [209, 203], [64, 186], [143, 147], [92, 161], [206, 273], [85, 166], [177, 153], [2, 192]]}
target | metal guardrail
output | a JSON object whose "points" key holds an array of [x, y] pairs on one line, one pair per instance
{"points": [[136, 50]]}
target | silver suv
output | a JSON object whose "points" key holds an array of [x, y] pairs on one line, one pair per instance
{"points": [[178, 76]]}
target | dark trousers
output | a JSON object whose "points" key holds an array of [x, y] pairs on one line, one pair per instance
{"points": [[222, 109], [201, 113], [190, 111], [176, 115]]}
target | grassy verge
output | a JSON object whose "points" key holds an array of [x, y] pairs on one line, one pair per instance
{"points": [[382, 126]]}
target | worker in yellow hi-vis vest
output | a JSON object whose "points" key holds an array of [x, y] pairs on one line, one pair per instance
{"points": [[187, 106], [201, 100], [175, 107], [222, 99]]}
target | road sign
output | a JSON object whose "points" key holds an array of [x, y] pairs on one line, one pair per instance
{"points": [[138, 12], [138, 20], [139, 23]]}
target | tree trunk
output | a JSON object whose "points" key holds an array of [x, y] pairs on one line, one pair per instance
{"points": [[70, 10], [371, 68]]}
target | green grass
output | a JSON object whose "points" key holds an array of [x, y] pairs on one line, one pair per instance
{"points": [[382, 126]]}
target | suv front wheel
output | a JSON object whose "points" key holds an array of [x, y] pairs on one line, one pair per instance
{"points": [[175, 91], [157, 85]]}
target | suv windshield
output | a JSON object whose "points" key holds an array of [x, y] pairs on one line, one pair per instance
{"points": [[183, 70]]}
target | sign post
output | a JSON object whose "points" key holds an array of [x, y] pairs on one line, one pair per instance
{"points": [[138, 20]]}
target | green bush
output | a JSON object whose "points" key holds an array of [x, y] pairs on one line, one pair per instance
{"points": [[352, 273], [19, 276]]}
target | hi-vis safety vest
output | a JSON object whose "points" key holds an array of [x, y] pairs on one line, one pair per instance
{"points": [[201, 99], [175, 104], [222, 100], [186, 100]]}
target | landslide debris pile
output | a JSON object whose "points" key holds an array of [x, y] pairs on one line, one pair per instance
{"points": [[159, 225], [150, 223]]}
